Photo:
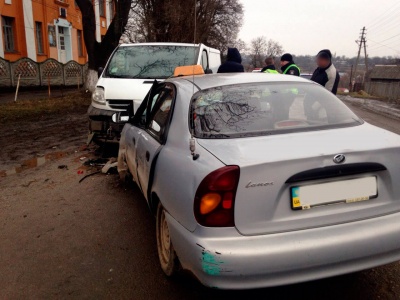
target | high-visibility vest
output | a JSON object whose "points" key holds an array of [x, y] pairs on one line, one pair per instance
{"points": [[293, 65], [271, 71]]}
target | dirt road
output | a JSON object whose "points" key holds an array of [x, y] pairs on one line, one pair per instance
{"points": [[61, 239]]}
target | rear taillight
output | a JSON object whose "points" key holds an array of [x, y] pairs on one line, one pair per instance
{"points": [[214, 203]]}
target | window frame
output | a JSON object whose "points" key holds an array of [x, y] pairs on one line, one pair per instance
{"points": [[208, 61], [39, 37], [102, 8], [149, 115], [8, 29], [79, 35], [111, 9]]}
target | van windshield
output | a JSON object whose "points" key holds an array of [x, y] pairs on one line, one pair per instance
{"points": [[149, 62]]}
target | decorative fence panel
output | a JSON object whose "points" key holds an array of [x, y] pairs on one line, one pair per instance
{"points": [[47, 72], [51, 71]]}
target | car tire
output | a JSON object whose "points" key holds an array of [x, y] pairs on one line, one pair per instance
{"points": [[168, 259]]}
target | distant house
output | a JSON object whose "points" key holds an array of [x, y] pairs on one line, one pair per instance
{"points": [[385, 73], [384, 81]]}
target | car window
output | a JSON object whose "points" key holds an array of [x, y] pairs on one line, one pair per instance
{"points": [[161, 112], [267, 108], [204, 60]]}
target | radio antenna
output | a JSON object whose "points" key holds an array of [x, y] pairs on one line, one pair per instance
{"points": [[192, 142]]}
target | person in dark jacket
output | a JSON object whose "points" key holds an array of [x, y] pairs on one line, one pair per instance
{"points": [[288, 66], [326, 73], [233, 62], [269, 66]]}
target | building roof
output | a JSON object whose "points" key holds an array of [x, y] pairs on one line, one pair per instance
{"points": [[385, 72]]}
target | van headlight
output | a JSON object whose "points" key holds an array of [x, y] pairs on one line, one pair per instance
{"points": [[98, 95]]}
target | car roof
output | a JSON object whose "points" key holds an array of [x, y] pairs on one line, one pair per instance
{"points": [[158, 44], [215, 80]]}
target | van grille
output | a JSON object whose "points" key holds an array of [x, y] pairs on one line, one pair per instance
{"points": [[119, 104]]}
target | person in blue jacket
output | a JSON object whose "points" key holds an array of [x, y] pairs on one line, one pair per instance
{"points": [[233, 62]]}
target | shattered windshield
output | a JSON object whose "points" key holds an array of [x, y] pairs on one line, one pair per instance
{"points": [[267, 108], [149, 62]]}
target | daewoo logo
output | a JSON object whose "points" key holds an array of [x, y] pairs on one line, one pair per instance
{"points": [[259, 184], [339, 158]]}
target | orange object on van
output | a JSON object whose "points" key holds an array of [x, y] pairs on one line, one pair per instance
{"points": [[188, 70]]}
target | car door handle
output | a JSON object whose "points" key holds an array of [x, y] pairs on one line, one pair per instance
{"points": [[134, 141], [147, 155]]}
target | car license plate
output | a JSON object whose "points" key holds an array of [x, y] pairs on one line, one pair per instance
{"points": [[343, 191]]}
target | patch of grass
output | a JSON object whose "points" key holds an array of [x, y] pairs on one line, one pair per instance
{"points": [[363, 95], [33, 109]]}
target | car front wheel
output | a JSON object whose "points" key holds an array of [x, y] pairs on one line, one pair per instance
{"points": [[168, 260]]}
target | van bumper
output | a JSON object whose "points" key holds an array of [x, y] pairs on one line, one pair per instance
{"points": [[101, 125]]}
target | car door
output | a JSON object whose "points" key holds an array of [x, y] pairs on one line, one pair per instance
{"points": [[152, 136], [133, 132]]}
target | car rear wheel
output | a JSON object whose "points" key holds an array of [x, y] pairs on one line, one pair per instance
{"points": [[168, 260]]}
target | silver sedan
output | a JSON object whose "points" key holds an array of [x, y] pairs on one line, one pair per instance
{"points": [[261, 180]]}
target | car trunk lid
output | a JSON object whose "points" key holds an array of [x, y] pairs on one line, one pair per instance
{"points": [[270, 166]]}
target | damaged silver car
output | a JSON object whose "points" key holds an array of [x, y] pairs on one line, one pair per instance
{"points": [[261, 180]]}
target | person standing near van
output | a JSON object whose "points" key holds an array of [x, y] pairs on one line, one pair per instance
{"points": [[288, 66], [233, 63], [326, 73], [269, 66]]}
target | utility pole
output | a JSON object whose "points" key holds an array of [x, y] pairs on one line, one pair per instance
{"points": [[362, 42]]}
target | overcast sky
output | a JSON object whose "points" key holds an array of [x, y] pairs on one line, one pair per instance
{"points": [[307, 26]]}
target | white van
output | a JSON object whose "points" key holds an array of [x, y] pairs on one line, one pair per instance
{"points": [[130, 73]]}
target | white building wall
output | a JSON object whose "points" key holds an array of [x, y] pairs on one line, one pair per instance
{"points": [[97, 16], [29, 29]]}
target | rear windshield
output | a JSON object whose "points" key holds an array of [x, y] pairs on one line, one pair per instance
{"points": [[149, 62], [267, 108]]}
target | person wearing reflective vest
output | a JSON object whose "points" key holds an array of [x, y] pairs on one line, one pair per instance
{"points": [[288, 66], [269, 66]]}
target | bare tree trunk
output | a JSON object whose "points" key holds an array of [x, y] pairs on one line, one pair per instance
{"points": [[99, 52]]}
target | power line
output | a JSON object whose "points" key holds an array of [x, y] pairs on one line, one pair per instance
{"points": [[382, 45], [388, 27], [382, 17]]}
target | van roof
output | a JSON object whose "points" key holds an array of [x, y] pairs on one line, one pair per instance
{"points": [[159, 44]]}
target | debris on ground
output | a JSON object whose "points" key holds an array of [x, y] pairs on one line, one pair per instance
{"points": [[110, 166], [63, 167]]}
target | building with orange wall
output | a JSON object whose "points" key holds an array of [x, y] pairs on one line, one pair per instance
{"points": [[42, 29]]}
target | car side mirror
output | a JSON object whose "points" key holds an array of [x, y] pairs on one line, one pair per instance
{"points": [[100, 71], [118, 118]]}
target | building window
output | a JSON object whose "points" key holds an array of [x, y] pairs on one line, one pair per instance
{"points": [[111, 4], [8, 34], [80, 43], [102, 8], [39, 37]]}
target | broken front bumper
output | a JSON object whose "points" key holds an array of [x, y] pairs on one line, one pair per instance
{"points": [[101, 125], [222, 258]]}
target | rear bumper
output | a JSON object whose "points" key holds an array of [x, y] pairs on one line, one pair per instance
{"points": [[222, 258]]}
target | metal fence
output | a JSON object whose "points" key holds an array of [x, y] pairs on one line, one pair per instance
{"points": [[389, 90], [48, 72]]}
